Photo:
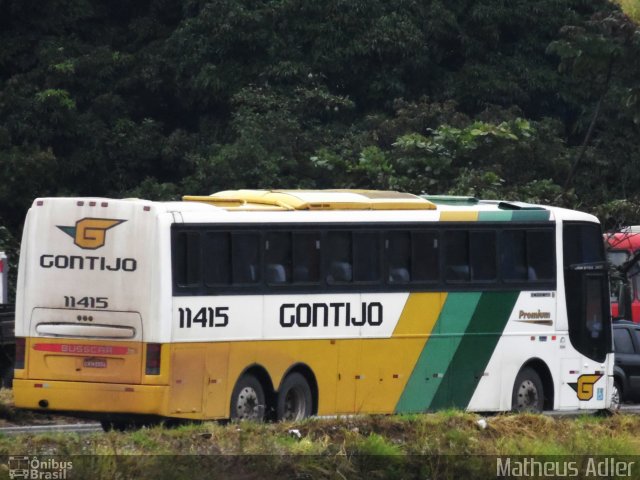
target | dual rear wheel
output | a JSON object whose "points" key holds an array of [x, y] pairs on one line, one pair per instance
{"points": [[293, 401], [528, 392]]}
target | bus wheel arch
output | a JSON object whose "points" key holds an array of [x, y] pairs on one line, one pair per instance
{"points": [[536, 370], [299, 377], [256, 380]]}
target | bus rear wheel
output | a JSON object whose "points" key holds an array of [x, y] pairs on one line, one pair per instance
{"points": [[248, 399], [294, 398], [528, 393]]}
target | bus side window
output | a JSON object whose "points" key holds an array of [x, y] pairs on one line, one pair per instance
{"points": [[366, 254], [398, 251], [425, 256], [513, 256], [278, 258], [187, 255], [245, 258], [339, 257], [217, 258], [456, 256], [483, 256], [306, 257], [541, 254]]}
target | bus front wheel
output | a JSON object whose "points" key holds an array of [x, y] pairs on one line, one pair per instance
{"points": [[248, 400], [528, 393], [294, 398]]}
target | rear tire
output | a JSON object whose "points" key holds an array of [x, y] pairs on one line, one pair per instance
{"points": [[528, 393], [248, 401], [294, 399]]}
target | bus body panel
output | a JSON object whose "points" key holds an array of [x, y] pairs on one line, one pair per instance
{"points": [[368, 351]]}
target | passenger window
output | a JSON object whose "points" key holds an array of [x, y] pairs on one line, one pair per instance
{"points": [[277, 268], [366, 256], [456, 259], [245, 258], [622, 341], [398, 248], [306, 257], [217, 258], [339, 257], [483, 256], [425, 256], [513, 256], [541, 254], [187, 259]]}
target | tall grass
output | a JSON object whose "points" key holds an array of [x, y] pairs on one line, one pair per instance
{"points": [[450, 444]]}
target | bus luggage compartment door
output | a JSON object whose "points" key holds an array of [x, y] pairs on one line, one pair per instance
{"points": [[85, 346]]}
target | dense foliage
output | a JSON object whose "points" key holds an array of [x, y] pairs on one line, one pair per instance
{"points": [[528, 99]]}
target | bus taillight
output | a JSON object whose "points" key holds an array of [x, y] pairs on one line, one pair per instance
{"points": [[153, 359], [20, 350]]}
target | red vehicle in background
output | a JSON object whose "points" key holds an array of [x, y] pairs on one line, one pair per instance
{"points": [[623, 252]]}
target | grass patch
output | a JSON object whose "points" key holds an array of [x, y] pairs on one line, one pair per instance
{"points": [[449, 444]]}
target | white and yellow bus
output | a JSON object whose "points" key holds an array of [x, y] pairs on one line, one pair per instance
{"points": [[284, 304]]}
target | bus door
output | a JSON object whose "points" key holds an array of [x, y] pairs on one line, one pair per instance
{"points": [[589, 322]]}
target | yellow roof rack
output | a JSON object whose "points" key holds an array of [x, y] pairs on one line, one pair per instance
{"points": [[314, 200]]}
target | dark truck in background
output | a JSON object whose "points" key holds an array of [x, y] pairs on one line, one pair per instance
{"points": [[7, 326]]}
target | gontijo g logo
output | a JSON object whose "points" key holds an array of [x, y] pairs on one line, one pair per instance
{"points": [[90, 233]]}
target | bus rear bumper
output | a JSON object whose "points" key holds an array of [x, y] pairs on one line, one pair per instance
{"points": [[90, 397]]}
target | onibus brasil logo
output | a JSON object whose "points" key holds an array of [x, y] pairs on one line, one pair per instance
{"points": [[90, 233]]}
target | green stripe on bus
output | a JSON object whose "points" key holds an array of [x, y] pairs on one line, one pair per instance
{"points": [[503, 216], [530, 215], [428, 373], [475, 350]]}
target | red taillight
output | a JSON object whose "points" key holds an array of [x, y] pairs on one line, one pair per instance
{"points": [[1, 265], [153, 359], [20, 350]]}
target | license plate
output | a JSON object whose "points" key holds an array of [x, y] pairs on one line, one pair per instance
{"points": [[95, 363]]}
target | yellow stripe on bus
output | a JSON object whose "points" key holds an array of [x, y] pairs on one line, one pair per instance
{"points": [[455, 216]]}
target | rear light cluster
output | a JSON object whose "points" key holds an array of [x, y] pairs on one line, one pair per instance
{"points": [[20, 351], [152, 366]]}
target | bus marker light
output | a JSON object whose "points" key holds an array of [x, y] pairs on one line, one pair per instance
{"points": [[40, 385], [543, 338], [553, 337], [533, 339], [128, 389], [80, 204], [92, 204], [39, 203]]}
